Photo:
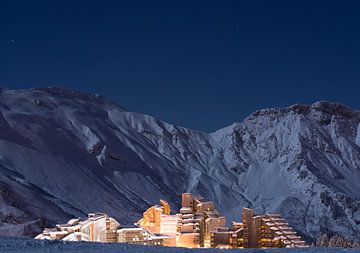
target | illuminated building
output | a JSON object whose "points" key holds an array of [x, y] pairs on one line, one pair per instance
{"points": [[198, 225], [98, 227], [198, 219], [142, 236], [158, 221], [268, 231]]}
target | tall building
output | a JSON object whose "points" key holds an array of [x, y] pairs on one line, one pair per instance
{"points": [[268, 231], [188, 226], [158, 221], [198, 219]]}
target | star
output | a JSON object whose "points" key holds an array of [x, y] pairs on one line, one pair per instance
{"points": [[12, 42], [131, 43]]}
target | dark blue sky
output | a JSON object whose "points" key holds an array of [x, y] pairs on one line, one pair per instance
{"points": [[200, 64]]}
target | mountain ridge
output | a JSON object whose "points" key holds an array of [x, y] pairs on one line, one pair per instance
{"points": [[77, 153]]}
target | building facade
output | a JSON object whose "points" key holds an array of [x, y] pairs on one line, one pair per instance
{"points": [[98, 227]]}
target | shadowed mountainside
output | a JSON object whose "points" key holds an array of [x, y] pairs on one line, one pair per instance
{"points": [[65, 153]]}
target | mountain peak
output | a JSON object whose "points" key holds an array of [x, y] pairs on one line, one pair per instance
{"points": [[50, 94], [324, 107], [333, 108], [65, 92], [71, 153]]}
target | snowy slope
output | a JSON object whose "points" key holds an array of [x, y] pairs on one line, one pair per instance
{"points": [[65, 153], [15, 245]]}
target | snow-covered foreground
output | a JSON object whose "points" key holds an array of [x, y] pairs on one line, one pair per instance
{"points": [[9, 245]]}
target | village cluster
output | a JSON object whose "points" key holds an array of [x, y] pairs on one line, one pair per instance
{"points": [[198, 225]]}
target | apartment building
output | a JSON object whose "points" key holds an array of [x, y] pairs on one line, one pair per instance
{"points": [[98, 227]]}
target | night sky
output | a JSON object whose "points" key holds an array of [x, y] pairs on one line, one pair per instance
{"points": [[199, 64]]}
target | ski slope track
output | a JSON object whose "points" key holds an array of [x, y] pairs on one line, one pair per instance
{"points": [[64, 154]]}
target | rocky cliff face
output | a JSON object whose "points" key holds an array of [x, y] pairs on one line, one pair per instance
{"points": [[65, 153]]}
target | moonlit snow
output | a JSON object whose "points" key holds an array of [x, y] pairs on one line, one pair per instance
{"points": [[64, 154], [15, 245]]}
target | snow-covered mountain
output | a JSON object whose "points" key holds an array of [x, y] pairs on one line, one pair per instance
{"points": [[65, 153]]}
